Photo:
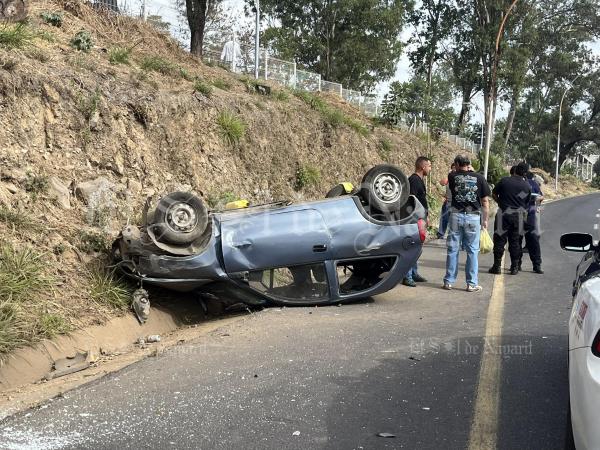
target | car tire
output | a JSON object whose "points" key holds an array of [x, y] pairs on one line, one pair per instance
{"points": [[385, 188], [180, 218]]}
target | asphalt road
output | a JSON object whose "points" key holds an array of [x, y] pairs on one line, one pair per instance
{"points": [[405, 363]]}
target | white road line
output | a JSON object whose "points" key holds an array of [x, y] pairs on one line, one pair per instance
{"points": [[484, 428], [595, 226]]}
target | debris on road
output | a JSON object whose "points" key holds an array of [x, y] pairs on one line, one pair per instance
{"points": [[141, 305], [386, 435], [296, 433], [153, 338], [66, 366], [413, 358]]}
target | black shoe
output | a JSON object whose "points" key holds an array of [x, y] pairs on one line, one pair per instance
{"points": [[418, 278], [514, 270], [495, 270], [519, 266], [409, 282], [538, 269]]}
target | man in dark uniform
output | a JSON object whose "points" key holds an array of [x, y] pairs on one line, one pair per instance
{"points": [[418, 189], [513, 194], [532, 229]]}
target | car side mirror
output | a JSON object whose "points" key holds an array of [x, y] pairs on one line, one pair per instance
{"points": [[577, 242]]}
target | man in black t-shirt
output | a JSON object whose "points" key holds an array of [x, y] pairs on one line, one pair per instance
{"points": [[469, 192], [513, 195], [418, 189]]}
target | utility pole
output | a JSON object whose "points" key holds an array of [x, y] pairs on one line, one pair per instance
{"points": [[257, 40], [558, 133]]}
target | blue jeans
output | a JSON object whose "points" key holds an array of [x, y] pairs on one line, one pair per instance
{"points": [[443, 220], [463, 232], [412, 271]]}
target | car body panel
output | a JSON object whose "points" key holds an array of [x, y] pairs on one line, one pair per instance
{"points": [[584, 366], [300, 241]]}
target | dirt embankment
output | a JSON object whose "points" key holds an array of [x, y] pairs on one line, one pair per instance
{"points": [[88, 132]]}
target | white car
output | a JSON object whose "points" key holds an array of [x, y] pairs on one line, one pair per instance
{"points": [[584, 343]]}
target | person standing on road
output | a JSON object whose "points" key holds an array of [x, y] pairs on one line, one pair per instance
{"points": [[532, 228], [468, 213], [444, 214], [513, 194], [418, 189]]}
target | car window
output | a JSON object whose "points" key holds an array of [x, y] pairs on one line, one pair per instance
{"points": [[305, 282], [362, 274]]}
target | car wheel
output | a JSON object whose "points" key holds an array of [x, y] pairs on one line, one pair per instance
{"points": [[336, 191], [180, 218], [385, 188]]}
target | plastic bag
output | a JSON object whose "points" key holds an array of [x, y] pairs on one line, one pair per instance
{"points": [[486, 245]]}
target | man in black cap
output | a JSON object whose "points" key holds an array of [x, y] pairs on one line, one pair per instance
{"points": [[513, 194]]}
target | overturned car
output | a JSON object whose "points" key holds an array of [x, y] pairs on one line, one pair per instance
{"points": [[354, 244]]}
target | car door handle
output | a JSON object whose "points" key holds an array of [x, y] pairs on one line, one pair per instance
{"points": [[369, 249], [319, 248], [243, 244]]}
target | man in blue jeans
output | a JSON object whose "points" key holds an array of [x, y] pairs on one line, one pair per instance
{"points": [[469, 209]]}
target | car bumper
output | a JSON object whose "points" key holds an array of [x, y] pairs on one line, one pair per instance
{"points": [[584, 387]]}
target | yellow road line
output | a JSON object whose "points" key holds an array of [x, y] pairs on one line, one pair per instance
{"points": [[484, 428]]}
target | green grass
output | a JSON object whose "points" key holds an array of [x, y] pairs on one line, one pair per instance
{"points": [[357, 126], [19, 220], [281, 96], [333, 117], [89, 105], [222, 84], [384, 148], [119, 55], [307, 176], [21, 274], [36, 185], [16, 36], [158, 64], [50, 325], [310, 99], [232, 128], [183, 73], [203, 88], [219, 200], [108, 289]]}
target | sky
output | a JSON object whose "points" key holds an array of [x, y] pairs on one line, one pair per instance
{"points": [[166, 9]]}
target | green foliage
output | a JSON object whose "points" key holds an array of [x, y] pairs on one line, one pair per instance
{"points": [[312, 100], [183, 73], [307, 175], [496, 169], [203, 88], [107, 289], [355, 42], [333, 116], [568, 170], [21, 274], [232, 127], [222, 84], [596, 182], [36, 185], [384, 148], [357, 126], [82, 41], [596, 168], [91, 242], [281, 95], [158, 64], [19, 220], [119, 55], [52, 18], [89, 105], [16, 36]]}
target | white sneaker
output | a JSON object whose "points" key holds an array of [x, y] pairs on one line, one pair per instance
{"points": [[471, 288], [447, 286]]}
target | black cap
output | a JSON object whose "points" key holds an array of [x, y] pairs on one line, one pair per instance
{"points": [[522, 169]]}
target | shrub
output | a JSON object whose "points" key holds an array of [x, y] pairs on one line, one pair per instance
{"points": [[88, 106], [307, 176], [36, 185], [221, 199], [50, 325], [596, 182], [21, 274], [52, 18], [222, 84], [15, 36], [333, 116], [357, 126], [119, 55], [107, 289], [92, 242], [158, 64], [384, 148], [232, 127], [203, 88], [310, 99], [183, 73], [282, 96], [82, 41], [17, 219]]}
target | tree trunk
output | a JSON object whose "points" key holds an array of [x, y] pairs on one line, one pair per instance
{"points": [[464, 109], [514, 102], [196, 15]]}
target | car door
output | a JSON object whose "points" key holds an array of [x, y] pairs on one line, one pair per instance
{"points": [[273, 239]]}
